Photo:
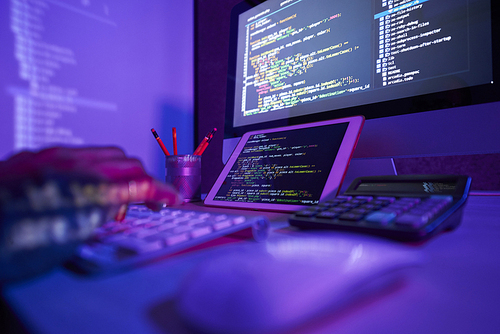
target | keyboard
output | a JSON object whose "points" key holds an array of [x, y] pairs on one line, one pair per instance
{"points": [[398, 207], [144, 236]]}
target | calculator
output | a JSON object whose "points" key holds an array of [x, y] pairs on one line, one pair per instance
{"points": [[402, 207]]}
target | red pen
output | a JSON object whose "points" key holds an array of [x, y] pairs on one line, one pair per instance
{"points": [[204, 143], [174, 138], [160, 142]]}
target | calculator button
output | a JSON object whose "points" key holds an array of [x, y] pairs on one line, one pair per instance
{"points": [[344, 198], [415, 221], [383, 218], [388, 199], [422, 212], [306, 213], [339, 209], [358, 201], [446, 198], [411, 201], [350, 205], [325, 205], [327, 215], [361, 211], [370, 207], [333, 202], [394, 209], [365, 198], [351, 216]]}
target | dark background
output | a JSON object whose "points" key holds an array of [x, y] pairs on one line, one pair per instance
{"points": [[211, 38]]}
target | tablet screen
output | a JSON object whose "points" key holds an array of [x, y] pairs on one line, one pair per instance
{"points": [[286, 168]]}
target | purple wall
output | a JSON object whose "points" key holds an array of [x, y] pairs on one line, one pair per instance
{"points": [[96, 73]]}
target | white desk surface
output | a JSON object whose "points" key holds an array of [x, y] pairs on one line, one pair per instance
{"points": [[457, 290]]}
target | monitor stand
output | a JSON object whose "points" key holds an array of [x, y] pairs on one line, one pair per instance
{"points": [[228, 147], [367, 167]]}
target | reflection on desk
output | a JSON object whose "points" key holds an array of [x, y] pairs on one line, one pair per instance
{"points": [[455, 290]]}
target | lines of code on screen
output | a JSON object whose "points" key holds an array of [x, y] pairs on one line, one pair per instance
{"points": [[299, 57], [287, 52], [285, 167]]}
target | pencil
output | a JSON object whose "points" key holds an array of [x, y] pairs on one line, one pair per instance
{"points": [[160, 142], [174, 138]]}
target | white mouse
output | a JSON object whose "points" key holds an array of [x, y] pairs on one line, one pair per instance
{"points": [[276, 285]]}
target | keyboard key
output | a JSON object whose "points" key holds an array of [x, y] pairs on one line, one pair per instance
{"points": [[238, 220], [222, 224], [138, 246], [220, 217], [174, 239], [200, 231]]}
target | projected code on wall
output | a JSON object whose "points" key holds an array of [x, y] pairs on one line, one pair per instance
{"points": [[283, 167], [41, 102]]}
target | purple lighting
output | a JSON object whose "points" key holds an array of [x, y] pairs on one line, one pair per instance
{"points": [[96, 73]]}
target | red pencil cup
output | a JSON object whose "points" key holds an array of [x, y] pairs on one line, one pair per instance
{"points": [[184, 173]]}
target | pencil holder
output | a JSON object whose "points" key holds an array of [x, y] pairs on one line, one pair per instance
{"points": [[184, 173]]}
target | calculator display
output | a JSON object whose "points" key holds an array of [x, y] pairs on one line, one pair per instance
{"points": [[408, 187]]}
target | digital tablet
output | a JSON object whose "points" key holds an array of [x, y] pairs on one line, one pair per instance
{"points": [[287, 168]]}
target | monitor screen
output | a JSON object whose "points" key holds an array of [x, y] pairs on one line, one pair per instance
{"points": [[295, 61]]}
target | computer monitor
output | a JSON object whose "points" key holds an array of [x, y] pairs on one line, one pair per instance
{"points": [[99, 72], [424, 73]]}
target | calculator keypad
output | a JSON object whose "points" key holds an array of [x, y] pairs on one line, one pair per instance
{"points": [[377, 212]]}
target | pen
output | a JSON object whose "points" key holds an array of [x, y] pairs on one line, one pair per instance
{"points": [[160, 142], [174, 138], [204, 143]]}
